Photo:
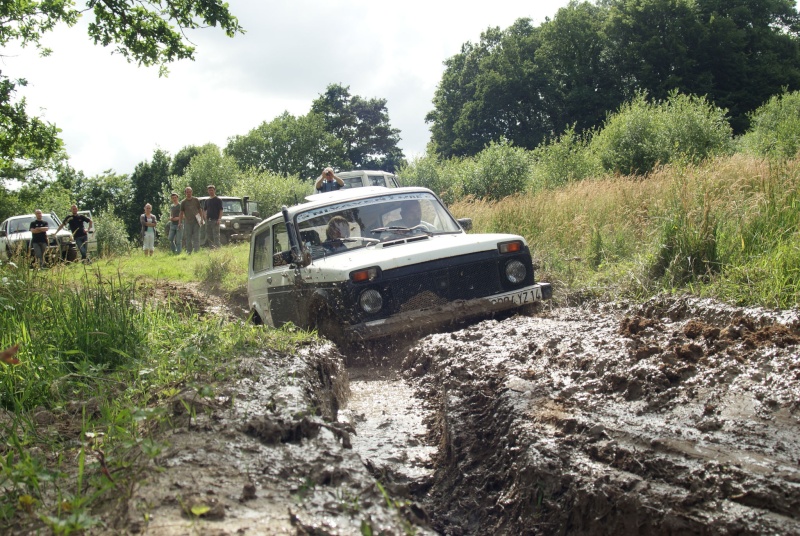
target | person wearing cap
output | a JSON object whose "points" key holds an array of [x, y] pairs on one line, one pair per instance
{"points": [[328, 182]]}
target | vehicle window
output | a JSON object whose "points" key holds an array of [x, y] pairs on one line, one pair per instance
{"points": [[262, 257], [365, 215], [280, 242], [377, 180], [233, 206], [352, 182]]}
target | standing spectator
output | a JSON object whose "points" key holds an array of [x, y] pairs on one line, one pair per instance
{"points": [[213, 216], [75, 222], [39, 230], [149, 222], [175, 236], [328, 182], [192, 218]]}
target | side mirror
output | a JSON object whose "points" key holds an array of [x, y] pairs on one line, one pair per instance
{"points": [[465, 223], [282, 258]]}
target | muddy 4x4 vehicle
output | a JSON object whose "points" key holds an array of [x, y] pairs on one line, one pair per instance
{"points": [[15, 238], [239, 217], [368, 263]]}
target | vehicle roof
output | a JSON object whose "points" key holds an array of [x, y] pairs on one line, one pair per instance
{"points": [[347, 194], [363, 172]]}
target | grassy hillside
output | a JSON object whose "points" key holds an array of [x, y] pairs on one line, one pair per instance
{"points": [[725, 228]]}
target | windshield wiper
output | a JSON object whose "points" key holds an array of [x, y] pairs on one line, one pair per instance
{"points": [[402, 230]]}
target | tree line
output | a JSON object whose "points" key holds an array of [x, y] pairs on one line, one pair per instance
{"points": [[527, 84]]}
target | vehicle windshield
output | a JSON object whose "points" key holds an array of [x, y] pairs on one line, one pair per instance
{"points": [[232, 206], [23, 223], [341, 227]]}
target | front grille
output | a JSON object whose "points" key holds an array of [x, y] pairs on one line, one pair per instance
{"points": [[463, 282]]}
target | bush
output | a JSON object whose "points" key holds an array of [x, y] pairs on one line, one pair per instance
{"points": [[565, 160], [500, 170], [112, 236], [644, 135], [271, 190], [775, 128]]}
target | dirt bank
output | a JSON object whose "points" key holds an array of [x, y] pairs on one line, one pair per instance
{"points": [[676, 417]]}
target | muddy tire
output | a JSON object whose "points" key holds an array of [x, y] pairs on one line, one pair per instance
{"points": [[71, 254], [330, 328]]}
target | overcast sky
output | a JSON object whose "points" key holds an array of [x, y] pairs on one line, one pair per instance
{"points": [[114, 115]]}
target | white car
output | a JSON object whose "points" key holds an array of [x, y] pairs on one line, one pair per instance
{"points": [[366, 263], [15, 238]]}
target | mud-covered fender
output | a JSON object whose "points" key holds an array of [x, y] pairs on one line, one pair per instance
{"points": [[322, 302]]}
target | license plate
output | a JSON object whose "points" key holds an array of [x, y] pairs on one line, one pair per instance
{"points": [[520, 297]]}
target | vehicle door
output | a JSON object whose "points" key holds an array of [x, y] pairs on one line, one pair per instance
{"points": [[91, 243], [272, 278]]}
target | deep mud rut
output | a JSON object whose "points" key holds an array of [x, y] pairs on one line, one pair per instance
{"points": [[679, 416]]}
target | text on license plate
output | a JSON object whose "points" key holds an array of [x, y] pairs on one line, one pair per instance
{"points": [[519, 298]]}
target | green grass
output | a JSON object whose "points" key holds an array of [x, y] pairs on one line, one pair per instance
{"points": [[727, 228], [101, 354]]}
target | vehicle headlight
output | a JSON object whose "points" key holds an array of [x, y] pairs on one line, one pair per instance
{"points": [[236, 225], [516, 272], [371, 301]]}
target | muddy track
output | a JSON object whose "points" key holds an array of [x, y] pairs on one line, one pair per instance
{"points": [[679, 416]]}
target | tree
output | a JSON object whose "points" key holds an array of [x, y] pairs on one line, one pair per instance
{"points": [[148, 32], [526, 84], [209, 166], [107, 192], [288, 145], [362, 126], [183, 158]]}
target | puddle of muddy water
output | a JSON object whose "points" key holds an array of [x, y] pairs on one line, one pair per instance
{"points": [[388, 419]]}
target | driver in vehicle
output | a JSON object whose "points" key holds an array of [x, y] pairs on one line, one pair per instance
{"points": [[338, 228], [411, 217]]}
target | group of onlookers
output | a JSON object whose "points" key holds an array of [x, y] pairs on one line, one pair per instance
{"points": [[185, 220]]}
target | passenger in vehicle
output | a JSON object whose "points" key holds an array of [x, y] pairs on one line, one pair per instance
{"points": [[328, 182], [338, 228], [411, 216]]}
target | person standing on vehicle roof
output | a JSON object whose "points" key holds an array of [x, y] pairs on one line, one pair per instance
{"points": [[328, 182], [192, 217], [213, 217], [75, 222], [39, 230]]}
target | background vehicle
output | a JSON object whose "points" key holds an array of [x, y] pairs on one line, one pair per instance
{"points": [[239, 217], [380, 276], [362, 178], [91, 244], [15, 238]]}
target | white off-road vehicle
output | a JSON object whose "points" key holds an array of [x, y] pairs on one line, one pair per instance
{"points": [[366, 263], [15, 238]]}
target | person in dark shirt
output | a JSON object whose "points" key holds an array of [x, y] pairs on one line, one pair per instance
{"points": [[328, 182], [213, 217], [79, 233], [39, 230]]}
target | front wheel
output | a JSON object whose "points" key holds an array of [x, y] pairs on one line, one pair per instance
{"points": [[71, 254], [330, 328], [224, 239]]}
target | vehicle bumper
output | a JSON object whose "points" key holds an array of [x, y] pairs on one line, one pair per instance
{"points": [[424, 319]]}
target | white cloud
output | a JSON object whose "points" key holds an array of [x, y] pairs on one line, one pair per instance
{"points": [[114, 114]]}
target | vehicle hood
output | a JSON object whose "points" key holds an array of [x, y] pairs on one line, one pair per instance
{"points": [[390, 255]]}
